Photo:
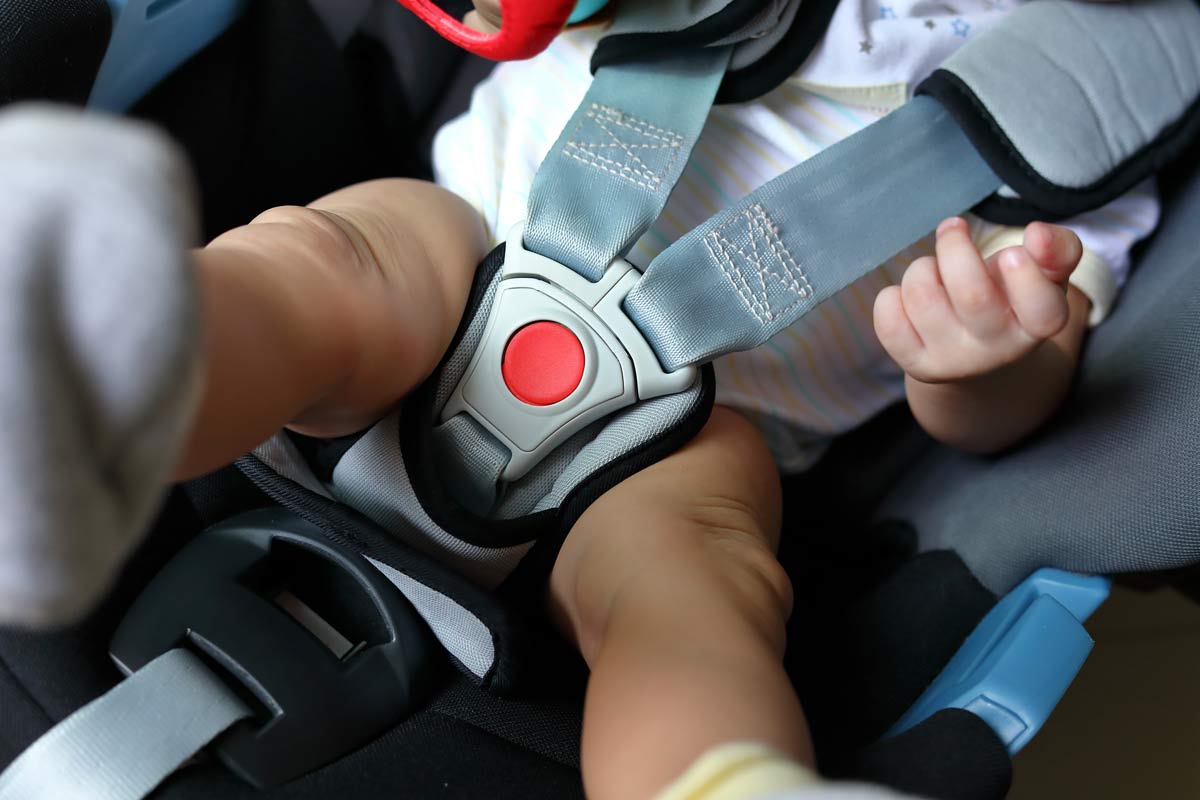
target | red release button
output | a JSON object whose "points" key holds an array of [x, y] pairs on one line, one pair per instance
{"points": [[543, 363]]}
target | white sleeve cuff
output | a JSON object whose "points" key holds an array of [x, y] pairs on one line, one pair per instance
{"points": [[1096, 280], [1092, 276]]}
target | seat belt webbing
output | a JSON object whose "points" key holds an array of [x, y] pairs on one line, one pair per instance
{"points": [[608, 177], [754, 269], [126, 742]]}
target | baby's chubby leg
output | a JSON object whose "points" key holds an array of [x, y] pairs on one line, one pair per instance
{"points": [[323, 317], [670, 587], [132, 357]]}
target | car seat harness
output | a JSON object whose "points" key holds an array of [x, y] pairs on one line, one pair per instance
{"points": [[470, 475], [572, 369]]}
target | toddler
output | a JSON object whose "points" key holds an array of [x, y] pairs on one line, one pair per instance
{"points": [[680, 617], [321, 318], [979, 326]]}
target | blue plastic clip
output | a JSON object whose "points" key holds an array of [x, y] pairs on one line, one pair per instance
{"points": [[585, 9], [150, 39], [1018, 662]]}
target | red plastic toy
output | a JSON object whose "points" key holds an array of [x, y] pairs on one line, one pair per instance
{"points": [[528, 28]]}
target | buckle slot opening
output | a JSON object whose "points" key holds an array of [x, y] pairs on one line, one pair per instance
{"points": [[319, 596]]}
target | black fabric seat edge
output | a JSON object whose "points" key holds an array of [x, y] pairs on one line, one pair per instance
{"points": [[953, 755], [52, 50]]}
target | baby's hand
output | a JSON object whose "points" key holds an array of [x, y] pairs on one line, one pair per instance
{"points": [[958, 316], [486, 17]]}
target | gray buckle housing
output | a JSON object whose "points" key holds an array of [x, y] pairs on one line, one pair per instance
{"points": [[620, 368]]}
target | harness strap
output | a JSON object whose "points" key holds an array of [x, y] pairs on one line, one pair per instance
{"points": [[609, 175], [126, 742], [732, 283], [754, 269]]}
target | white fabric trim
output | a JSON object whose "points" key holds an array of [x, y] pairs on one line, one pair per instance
{"points": [[460, 632], [280, 454], [373, 479]]}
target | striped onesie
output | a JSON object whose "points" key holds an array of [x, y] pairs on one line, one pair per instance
{"points": [[827, 373]]}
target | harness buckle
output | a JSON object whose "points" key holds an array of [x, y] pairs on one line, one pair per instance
{"points": [[557, 354], [310, 634]]}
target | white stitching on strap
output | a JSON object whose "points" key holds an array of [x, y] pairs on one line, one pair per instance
{"points": [[612, 123], [748, 271]]}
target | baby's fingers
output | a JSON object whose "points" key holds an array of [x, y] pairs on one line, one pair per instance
{"points": [[1039, 303], [975, 297], [896, 333], [926, 304], [1056, 249]]}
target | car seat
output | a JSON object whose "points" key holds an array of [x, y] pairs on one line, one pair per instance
{"points": [[888, 587]]}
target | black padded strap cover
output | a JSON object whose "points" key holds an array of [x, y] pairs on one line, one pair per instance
{"points": [[740, 85]]}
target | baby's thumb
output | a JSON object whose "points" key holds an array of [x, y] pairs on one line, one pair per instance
{"points": [[1055, 249]]}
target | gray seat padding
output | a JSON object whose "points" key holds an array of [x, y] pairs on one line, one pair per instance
{"points": [[1112, 484]]}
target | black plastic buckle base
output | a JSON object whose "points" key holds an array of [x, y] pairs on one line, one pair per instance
{"points": [[312, 635]]}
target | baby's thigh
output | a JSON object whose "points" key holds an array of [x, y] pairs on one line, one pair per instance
{"points": [[703, 520]]}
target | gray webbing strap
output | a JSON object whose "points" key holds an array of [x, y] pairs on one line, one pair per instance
{"points": [[126, 742], [609, 175], [754, 269]]}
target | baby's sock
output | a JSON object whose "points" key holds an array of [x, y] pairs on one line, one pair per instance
{"points": [[99, 350], [739, 771]]}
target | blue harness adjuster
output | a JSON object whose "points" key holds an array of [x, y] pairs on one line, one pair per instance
{"points": [[1018, 662]]}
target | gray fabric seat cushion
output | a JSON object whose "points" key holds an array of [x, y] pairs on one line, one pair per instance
{"points": [[1113, 482]]}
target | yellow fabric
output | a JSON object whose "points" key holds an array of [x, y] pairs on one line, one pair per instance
{"points": [[880, 99], [739, 771]]}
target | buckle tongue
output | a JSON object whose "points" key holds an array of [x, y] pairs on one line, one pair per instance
{"points": [[618, 369]]}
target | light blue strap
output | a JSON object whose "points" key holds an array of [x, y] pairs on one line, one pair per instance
{"points": [[608, 176], [123, 744], [150, 39], [753, 270]]}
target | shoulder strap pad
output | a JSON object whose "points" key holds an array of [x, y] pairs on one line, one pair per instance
{"points": [[770, 39], [1128, 76]]}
